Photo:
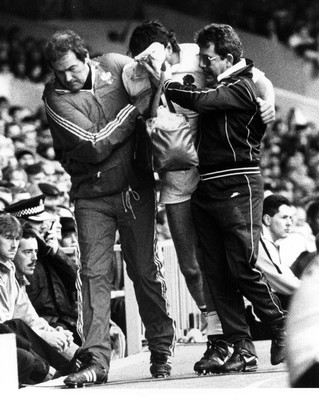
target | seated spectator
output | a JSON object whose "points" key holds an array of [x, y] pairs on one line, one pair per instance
{"points": [[52, 197], [16, 310], [7, 157], [35, 174], [51, 287], [15, 176], [19, 194], [29, 131], [49, 171], [277, 223], [18, 113], [69, 234], [25, 157], [12, 130]]}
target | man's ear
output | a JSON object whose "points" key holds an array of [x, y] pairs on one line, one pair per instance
{"points": [[230, 60], [266, 219]]}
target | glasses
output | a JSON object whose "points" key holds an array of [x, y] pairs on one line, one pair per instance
{"points": [[207, 60]]}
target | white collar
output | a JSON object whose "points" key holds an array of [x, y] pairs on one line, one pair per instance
{"points": [[234, 68], [267, 236]]}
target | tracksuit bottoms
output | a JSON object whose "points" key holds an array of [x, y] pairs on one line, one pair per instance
{"points": [[133, 214], [228, 215]]}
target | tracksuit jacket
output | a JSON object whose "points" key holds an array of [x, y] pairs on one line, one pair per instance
{"points": [[93, 138], [225, 146], [227, 204]]}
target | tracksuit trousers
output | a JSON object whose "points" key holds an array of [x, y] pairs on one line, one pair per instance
{"points": [[228, 215], [133, 214]]}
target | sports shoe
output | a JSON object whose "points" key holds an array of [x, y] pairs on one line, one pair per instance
{"points": [[93, 374], [277, 349], [215, 356], [243, 358], [86, 371], [160, 365]]}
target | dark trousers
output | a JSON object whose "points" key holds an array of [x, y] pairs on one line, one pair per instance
{"points": [[44, 354], [227, 214], [309, 379], [98, 219], [26, 365]]}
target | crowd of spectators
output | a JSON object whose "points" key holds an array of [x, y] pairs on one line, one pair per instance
{"points": [[294, 24], [289, 157], [23, 57]]}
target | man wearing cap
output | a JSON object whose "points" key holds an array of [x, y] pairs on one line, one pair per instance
{"points": [[93, 128], [52, 197], [16, 310], [69, 235], [51, 286]]}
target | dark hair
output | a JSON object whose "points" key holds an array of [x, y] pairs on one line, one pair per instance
{"points": [[34, 169], [224, 38], [149, 32], [10, 225], [61, 43], [273, 202], [27, 230], [312, 210]]}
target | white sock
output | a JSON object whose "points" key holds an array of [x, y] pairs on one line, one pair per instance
{"points": [[214, 326]]}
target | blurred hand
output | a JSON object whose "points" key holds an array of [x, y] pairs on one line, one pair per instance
{"points": [[51, 240], [157, 77], [267, 111]]}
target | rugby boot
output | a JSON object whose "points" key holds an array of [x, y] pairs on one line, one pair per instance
{"points": [[277, 349], [160, 365], [215, 356], [243, 359], [87, 372]]}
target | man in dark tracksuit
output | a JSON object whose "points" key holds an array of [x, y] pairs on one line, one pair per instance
{"points": [[227, 204], [93, 124]]}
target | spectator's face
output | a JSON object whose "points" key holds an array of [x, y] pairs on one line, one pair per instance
{"points": [[13, 131], [26, 256], [280, 224], [69, 239], [25, 160], [19, 179], [39, 226], [71, 71], [49, 172], [212, 64], [31, 139], [37, 178], [8, 246]]}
